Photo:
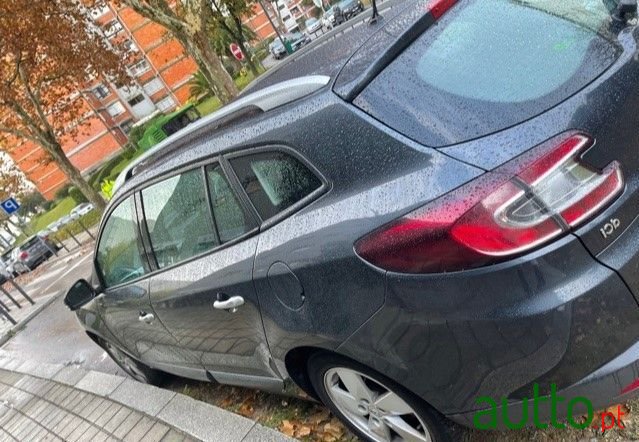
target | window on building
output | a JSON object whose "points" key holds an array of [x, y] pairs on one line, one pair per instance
{"points": [[112, 28], [101, 91], [136, 100], [140, 68], [153, 86], [99, 11], [274, 181], [116, 109], [166, 104], [178, 218], [130, 47], [126, 126], [119, 258]]}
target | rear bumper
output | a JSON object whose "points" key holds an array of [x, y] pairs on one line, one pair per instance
{"points": [[602, 388], [554, 317]]}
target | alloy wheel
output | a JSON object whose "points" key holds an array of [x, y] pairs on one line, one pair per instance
{"points": [[376, 410], [126, 362]]}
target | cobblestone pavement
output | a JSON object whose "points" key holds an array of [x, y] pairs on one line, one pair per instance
{"points": [[34, 409], [52, 402]]}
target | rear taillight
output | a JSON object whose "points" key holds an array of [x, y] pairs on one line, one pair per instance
{"points": [[514, 209], [24, 255], [437, 8]]}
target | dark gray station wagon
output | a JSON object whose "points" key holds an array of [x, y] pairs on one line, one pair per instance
{"points": [[402, 218]]}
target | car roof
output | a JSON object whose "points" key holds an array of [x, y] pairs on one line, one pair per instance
{"points": [[325, 57]]}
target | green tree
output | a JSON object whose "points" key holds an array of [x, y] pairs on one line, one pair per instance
{"points": [[189, 21], [198, 86], [228, 16]]}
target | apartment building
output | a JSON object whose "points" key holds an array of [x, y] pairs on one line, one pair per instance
{"points": [[160, 70], [289, 14]]}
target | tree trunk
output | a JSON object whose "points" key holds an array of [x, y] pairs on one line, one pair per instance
{"points": [[219, 80], [54, 149]]}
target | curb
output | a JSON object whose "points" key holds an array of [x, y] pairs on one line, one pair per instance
{"points": [[9, 334], [193, 418]]}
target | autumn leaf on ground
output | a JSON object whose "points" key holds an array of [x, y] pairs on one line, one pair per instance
{"points": [[302, 431], [287, 428]]}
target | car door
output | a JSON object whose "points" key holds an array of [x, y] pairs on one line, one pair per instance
{"points": [[204, 246], [124, 304]]}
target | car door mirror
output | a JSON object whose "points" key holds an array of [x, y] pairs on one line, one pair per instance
{"points": [[79, 294]]}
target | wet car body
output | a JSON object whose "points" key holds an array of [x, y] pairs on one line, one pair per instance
{"points": [[563, 313]]}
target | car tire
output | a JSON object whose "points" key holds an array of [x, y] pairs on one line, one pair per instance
{"points": [[134, 368], [365, 416]]}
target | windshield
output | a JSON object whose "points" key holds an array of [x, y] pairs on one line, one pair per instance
{"points": [[494, 63]]}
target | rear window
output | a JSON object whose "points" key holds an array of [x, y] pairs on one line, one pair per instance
{"points": [[490, 64]]}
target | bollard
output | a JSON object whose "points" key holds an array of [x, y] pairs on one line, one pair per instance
{"points": [[62, 244], [5, 306], [2, 289], [86, 230], [8, 316], [74, 238], [22, 292]]}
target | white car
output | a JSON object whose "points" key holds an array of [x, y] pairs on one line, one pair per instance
{"points": [[81, 210], [313, 25]]}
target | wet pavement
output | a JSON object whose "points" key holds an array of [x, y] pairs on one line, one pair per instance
{"points": [[55, 335]]}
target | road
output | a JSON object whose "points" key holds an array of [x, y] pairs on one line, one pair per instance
{"points": [[55, 335]]}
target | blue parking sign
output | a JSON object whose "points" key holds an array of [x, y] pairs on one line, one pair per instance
{"points": [[10, 206]]}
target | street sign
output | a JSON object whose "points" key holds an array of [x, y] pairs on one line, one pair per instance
{"points": [[10, 206], [236, 51]]}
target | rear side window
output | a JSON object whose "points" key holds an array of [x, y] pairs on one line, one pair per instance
{"points": [[177, 217], [119, 257], [230, 219], [490, 64], [274, 181]]}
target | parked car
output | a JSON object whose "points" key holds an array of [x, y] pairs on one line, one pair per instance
{"points": [[399, 231], [14, 264], [81, 210], [34, 251], [296, 39], [348, 10], [4, 272], [313, 25], [54, 226]]}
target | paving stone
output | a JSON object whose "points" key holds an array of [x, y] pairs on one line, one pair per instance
{"points": [[173, 436], [101, 384], [70, 375], [142, 397], [131, 420], [260, 433], [140, 429], [79, 431], [38, 369], [205, 421], [156, 433], [117, 419], [107, 414]]}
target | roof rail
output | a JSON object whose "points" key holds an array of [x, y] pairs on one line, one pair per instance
{"points": [[264, 99]]}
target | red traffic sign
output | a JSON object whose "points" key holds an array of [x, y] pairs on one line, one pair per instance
{"points": [[236, 51]]}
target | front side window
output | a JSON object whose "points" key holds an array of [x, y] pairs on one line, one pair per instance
{"points": [[274, 181], [229, 216], [178, 219], [118, 256]]}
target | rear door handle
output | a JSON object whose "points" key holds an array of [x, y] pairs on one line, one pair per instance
{"points": [[230, 304], [146, 317]]}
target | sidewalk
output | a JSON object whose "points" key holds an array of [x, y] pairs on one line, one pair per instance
{"points": [[41, 289], [58, 403]]}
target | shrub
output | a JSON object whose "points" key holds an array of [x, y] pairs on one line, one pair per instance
{"points": [[77, 195], [62, 192]]}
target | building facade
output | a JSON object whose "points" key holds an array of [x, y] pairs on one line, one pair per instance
{"points": [[160, 70]]}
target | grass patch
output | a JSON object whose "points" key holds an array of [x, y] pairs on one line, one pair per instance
{"points": [[208, 105], [61, 209], [74, 227]]}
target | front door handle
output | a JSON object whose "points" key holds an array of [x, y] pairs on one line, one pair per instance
{"points": [[146, 317], [230, 304]]}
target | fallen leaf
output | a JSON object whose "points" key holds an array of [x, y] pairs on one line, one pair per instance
{"points": [[287, 428], [303, 430]]}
